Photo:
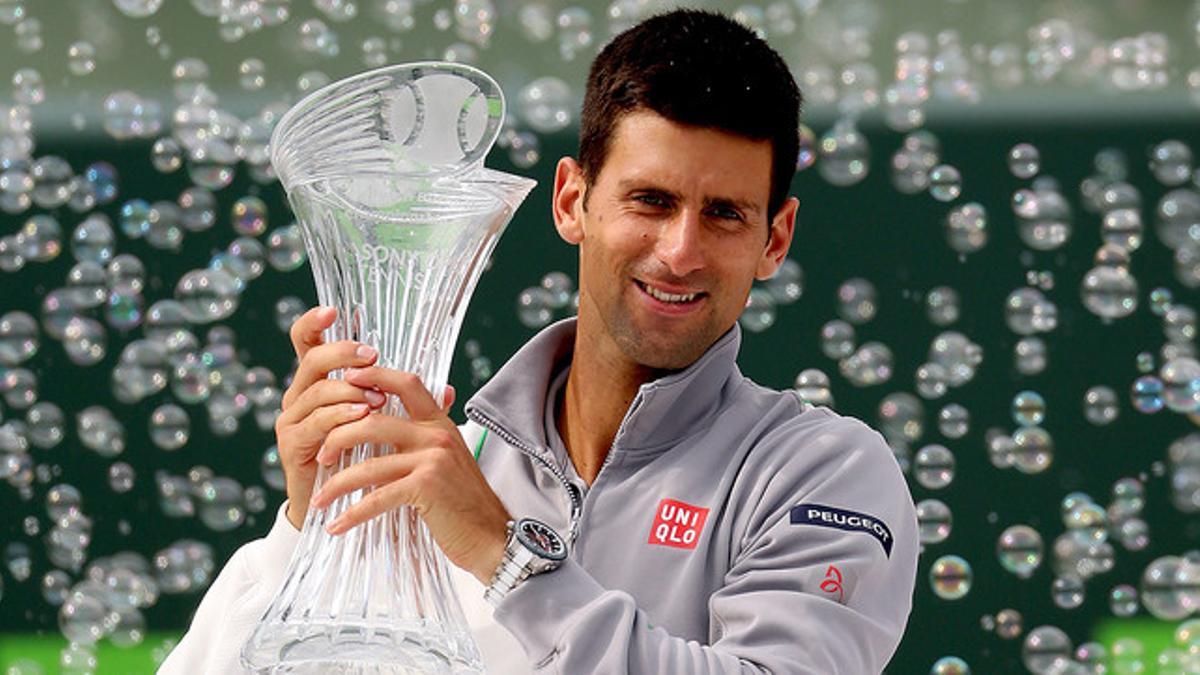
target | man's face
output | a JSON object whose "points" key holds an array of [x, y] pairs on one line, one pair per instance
{"points": [[674, 232]]}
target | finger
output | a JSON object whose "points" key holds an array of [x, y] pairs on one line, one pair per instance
{"points": [[448, 398], [306, 330], [308, 437], [321, 359], [376, 471], [403, 435], [327, 392], [417, 400], [380, 500]]}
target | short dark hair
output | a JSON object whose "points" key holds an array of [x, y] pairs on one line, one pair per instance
{"points": [[698, 68]]}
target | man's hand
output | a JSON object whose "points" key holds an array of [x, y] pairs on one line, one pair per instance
{"points": [[431, 470], [314, 405]]}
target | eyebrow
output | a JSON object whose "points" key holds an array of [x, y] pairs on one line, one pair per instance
{"points": [[742, 205]]}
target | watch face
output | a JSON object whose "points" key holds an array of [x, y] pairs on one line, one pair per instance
{"points": [[541, 539]]}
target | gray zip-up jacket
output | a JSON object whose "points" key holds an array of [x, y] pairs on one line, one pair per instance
{"points": [[731, 529]]}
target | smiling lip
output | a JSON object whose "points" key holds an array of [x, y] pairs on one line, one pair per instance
{"points": [[667, 307]]}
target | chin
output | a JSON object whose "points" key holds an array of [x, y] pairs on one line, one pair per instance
{"points": [[664, 357]]}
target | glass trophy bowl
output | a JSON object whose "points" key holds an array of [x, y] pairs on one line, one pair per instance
{"points": [[384, 172]]}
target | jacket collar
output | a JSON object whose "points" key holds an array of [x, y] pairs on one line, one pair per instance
{"points": [[664, 411]]}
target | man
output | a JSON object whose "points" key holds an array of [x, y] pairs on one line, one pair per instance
{"points": [[711, 525]]}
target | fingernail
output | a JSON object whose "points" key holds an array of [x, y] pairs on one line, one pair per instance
{"points": [[373, 397], [321, 454], [365, 351], [336, 526], [357, 407], [318, 499]]}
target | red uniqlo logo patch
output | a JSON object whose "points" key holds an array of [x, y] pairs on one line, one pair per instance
{"points": [[677, 524]]}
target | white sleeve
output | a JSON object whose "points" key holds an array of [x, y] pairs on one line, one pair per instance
{"points": [[234, 604]]}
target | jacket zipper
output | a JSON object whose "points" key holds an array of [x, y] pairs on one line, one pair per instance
{"points": [[572, 493]]}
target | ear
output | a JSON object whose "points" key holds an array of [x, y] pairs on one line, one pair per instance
{"points": [[567, 203], [783, 225]]}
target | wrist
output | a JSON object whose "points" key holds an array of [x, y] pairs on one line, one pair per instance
{"points": [[295, 515], [491, 557]]}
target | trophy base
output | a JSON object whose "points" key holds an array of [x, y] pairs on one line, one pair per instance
{"points": [[346, 649]]}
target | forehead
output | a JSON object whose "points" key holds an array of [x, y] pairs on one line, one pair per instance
{"points": [[649, 147]]}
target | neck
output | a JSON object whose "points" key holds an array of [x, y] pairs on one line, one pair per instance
{"points": [[600, 388]]}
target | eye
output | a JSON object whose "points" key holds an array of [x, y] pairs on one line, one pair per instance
{"points": [[651, 200], [726, 213]]}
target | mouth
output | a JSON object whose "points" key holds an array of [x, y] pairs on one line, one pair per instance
{"points": [[670, 302]]}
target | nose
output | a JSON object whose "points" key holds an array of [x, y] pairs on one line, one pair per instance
{"points": [[679, 246]]}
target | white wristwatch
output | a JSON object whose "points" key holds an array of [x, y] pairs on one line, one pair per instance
{"points": [[533, 547]]}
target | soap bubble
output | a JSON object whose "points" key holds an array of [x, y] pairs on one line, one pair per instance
{"points": [[169, 426], [1033, 451], [1067, 592], [950, 577], [1181, 384], [1109, 292], [1024, 160], [1020, 550], [932, 380], [1147, 394], [82, 618], [871, 364], [966, 227], [207, 295], [913, 161], [138, 9], [845, 155], [1171, 162], [85, 341], [185, 566], [93, 239], [45, 422], [1028, 408], [127, 115], [285, 248], [81, 58], [1043, 216], [1122, 227], [534, 307], [901, 417], [1100, 405], [942, 305], [933, 467], [787, 284], [121, 477], [950, 665], [953, 421], [1123, 601], [1047, 649], [759, 313], [812, 385], [252, 74], [53, 181], [856, 301], [945, 183], [1177, 218], [545, 104], [934, 520], [1029, 355], [18, 338], [807, 154], [1009, 624], [166, 155], [40, 238], [1169, 588], [221, 504], [560, 286], [28, 87], [249, 216], [837, 339]]}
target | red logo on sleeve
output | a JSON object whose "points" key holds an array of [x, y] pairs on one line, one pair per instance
{"points": [[677, 524], [833, 583]]}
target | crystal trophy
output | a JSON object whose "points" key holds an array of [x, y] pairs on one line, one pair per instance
{"points": [[384, 171]]}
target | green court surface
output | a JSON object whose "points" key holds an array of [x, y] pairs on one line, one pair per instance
{"points": [[25, 653]]}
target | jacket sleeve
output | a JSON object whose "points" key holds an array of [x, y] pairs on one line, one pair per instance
{"points": [[234, 604], [807, 597]]}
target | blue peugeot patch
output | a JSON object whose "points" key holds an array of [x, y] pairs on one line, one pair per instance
{"points": [[828, 516]]}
